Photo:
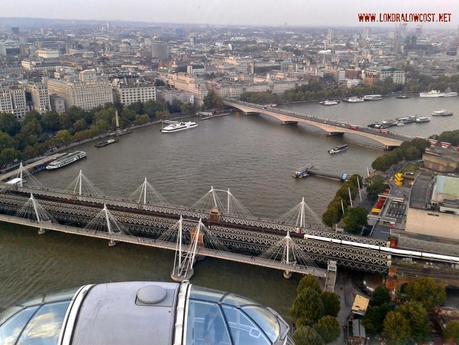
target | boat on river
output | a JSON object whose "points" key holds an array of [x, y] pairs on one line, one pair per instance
{"points": [[68, 159], [354, 100], [437, 94], [179, 126], [372, 97], [442, 112], [338, 149], [328, 102], [422, 119], [106, 142]]}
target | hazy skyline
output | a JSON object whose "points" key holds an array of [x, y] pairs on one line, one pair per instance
{"points": [[239, 12]]}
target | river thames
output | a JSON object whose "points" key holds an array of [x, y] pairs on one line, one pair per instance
{"points": [[253, 156]]}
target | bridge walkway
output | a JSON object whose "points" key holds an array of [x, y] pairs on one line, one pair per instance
{"points": [[123, 238]]}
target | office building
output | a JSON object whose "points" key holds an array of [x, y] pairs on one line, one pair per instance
{"points": [[159, 50], [57, 104], [133, 91], [13, 101], [370, 76], [40, 97], [445, 160], [39, 65], [47, 53], [84, 94]]}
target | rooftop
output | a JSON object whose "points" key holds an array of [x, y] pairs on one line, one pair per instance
{"points": [[421, 191], [445, 188], [445, 153], [360, 305]]}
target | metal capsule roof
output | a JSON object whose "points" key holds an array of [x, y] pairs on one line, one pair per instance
{"points": [[141, 313]]}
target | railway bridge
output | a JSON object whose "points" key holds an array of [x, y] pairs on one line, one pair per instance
{"points": [[223, 230], [218, 231], [385, 138]]}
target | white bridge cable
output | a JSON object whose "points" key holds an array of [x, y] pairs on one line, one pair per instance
{"points": [[300, 216], [224, 201], [234, 207], [184, 260], [105, 221], [27, 178], [81, 185], [186, 228], [171, 234], [147, 194], [210, 240], [32, 210], [288, 252], [209, 201]]}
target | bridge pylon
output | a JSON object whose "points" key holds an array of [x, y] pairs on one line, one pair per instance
{"points": [[146, 194], [81, 185], [26, 176], [287, 257], [21, 173], [184, 260], [111, 243], [105, 221], [211, 202], [33, 211], [288, 252], [297, 216]]}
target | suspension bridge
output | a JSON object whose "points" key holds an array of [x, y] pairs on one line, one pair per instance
{"points": [[388, 139], [217, 226]]}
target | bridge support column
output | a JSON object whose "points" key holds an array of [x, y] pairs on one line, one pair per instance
{"points": [[287, 274], [111, 243], [41, 231], [330, 279], [181, 278], [289, 123]]}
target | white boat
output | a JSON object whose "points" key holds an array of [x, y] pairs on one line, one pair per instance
{"points": [[406, 119], [432, 94], [354, 100], [422, 119], [328, 102], [372, 97], [179, 126], [450, 94], [442, 112], [338, 149], [66, 160]]}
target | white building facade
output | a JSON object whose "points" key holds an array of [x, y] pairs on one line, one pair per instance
{"points": [[85, 95]]}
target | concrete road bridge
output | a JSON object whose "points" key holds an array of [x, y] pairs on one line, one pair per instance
{"points": [[388, 139]]}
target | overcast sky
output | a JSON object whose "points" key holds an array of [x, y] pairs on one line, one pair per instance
{"points": [[245, 12]]}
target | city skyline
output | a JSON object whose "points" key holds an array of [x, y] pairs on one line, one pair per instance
{"points": [[226, 12]]}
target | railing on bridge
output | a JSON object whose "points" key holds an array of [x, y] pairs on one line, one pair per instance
{"points": [[198, 240], [146, 202]]}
